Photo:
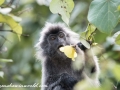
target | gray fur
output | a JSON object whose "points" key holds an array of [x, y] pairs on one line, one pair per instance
{"points": [[57, 70]]}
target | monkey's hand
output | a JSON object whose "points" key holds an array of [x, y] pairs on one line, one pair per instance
{"points": [[64, 82], [79, 62], [90, 63]]}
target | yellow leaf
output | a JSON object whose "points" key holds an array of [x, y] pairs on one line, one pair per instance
{"points": [[69, 51], [18, 30], [11, 22], [1, 2], [118, 8], [94, 44]]}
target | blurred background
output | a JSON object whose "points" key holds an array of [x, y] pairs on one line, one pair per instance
{"points": [[25, 69]]}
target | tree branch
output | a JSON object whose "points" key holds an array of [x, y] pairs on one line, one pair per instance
{"points": [[14, 32], [5, 38], [10, 3]]}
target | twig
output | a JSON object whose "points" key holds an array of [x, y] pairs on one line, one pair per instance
{"points": [[5, 38], [14, 32], [26, 10], [2, 44], [10, 3]]}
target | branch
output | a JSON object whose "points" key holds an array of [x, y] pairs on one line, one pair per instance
{"points": [[10, 3], [5, 38], [2, 44], [14, 32], [25, 10]]}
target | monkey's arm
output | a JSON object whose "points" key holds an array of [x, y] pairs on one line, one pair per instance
{"points": [[92, 68], [90, 63], [61, 82]]}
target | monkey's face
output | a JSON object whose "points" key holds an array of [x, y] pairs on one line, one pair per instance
{"points": [[56, 41]]}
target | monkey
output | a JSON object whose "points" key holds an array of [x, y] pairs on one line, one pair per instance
{"points": [[57, 69]]}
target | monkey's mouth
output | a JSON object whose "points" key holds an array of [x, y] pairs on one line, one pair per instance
{"points": [[60, 46]]}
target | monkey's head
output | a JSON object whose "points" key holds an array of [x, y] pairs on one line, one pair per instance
{"points": [[54, 36]]}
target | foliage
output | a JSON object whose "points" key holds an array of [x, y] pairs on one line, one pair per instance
{"points": [[63, 8], [9, 20], [1, 2], [14, 25], [103, 14], [25, 69]]}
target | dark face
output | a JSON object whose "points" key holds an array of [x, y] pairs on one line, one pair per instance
{"points": [[55, 40]]}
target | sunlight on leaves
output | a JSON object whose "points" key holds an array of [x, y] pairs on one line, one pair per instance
{"points": [[69, 51], [5, 10], [11, 22], [1, 2], [63, 8]]}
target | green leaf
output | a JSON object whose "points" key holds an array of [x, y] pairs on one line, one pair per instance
{"points": [[117, 40], [118, 8], [116, 72], [11, 22], [1, 74], [6, 60], [102, 14], [63, 8], [88, 34], [116, 37], [1, 2], [85, 43]]}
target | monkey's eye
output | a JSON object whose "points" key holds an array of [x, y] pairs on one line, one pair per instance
{"points": [[52, 37], [61, 35]]}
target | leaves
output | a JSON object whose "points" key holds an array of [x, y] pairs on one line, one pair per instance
{"points": [[1, 2], [6, 60], [118, 8], [85, 43], [1, 74], [14, 25], [116, 37], [69, 51], [5, 10], [63, 8], [117, 40], [102, 14], [116, 71], [88, 35]]}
